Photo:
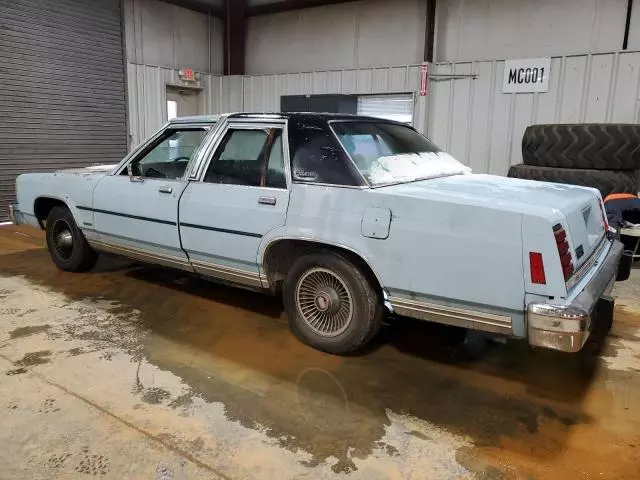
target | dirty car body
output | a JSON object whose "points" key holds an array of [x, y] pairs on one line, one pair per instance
{"points": [[345, 216]]}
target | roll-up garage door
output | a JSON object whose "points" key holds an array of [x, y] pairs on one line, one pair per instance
{"points": [[391, 107], [62, 87]]}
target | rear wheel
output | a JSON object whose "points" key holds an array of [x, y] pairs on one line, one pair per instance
{"points": [[331, 304], [67, 246]]}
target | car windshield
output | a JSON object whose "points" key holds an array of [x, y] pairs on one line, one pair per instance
{"points": [[387, 153]]}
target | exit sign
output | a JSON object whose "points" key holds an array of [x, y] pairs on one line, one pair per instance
{"points": [[187, 74]]}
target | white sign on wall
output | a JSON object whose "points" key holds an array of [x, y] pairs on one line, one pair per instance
{"points": [[526, 75]]}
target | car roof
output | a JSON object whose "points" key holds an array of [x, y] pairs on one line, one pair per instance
{"points": [[302, 116], [195, 119]]}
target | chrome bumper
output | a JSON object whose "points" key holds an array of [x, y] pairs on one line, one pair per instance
{"points": [[566, 327], [15, 215]]}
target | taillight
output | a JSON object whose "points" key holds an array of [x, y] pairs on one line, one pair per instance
{"points": [[563, 250], [605, 222], [537, 268]]}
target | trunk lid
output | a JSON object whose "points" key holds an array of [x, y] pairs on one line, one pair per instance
{"points": [[580, 206]]}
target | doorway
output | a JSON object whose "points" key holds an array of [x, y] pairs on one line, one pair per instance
{"points": [[183, 102]]}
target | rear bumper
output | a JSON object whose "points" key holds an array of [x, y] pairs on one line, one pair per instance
{"points": [[15, 215], [566, 326]]}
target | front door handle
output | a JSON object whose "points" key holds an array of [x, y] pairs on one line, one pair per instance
{"points": [[267, 200], [165, 189]]}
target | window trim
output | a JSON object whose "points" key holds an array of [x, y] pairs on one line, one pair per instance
{"points": [[145, 147], [216, 142]]}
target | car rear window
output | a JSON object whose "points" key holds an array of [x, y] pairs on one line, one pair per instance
{"points": [[388, 153]]}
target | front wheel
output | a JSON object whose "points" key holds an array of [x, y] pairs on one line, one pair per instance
{"points": [[67, 246], [331, 304]]}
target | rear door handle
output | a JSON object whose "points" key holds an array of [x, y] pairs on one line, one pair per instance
{"points": [[165, 190], [267, 200]]}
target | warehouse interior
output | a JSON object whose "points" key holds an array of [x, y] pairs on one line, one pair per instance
{"points": [[109, 73], [299, 296]]}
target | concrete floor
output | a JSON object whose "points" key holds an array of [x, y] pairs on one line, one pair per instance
{"points": [[130, 372]]}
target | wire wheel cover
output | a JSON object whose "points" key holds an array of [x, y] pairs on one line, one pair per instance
{"points": [[324, 302], [62, 239]]}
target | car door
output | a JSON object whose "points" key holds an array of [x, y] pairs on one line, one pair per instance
{"points": [[240, 196], [136, 209]]}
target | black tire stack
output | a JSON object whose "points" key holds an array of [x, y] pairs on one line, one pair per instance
{"points": [[602, 156]]}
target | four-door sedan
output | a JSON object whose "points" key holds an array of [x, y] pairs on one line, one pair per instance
{"points": [[346, 217]]}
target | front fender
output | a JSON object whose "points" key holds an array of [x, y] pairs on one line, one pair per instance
{"points": [[74, 190]]}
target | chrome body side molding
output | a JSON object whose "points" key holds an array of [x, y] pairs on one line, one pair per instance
{"points": [[452, 316], [139, 254], [219, 272], [234, 275]]}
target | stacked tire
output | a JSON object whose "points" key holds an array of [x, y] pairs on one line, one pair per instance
{"points": [[602, 156]]}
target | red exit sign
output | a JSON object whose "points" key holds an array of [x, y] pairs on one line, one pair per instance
{"points": [[187, 74]]}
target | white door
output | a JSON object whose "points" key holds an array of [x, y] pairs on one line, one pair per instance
{"points": [[242, 196], [136, 211]]}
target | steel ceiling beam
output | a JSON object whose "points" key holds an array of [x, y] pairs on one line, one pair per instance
{"points": [[235, 32], [430, 31]]}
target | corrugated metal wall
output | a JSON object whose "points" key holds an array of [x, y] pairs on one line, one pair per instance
{"points": [[262, 92], [483, 127], [63, 91], [471, 118], [147, 90]]}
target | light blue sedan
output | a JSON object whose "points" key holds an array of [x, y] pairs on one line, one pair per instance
{"points": [[347, 218]]}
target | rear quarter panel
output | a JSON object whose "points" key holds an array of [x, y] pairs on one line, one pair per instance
{"points": [[465, 253]]}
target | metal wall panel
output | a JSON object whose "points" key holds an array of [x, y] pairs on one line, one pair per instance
{"points": [[353, 34], [147, 89], [496, 29], [160, 33], [599, 87], [471, 118], [63, 87]]}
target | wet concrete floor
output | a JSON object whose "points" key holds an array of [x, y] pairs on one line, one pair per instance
{"points": [[134, 372]]}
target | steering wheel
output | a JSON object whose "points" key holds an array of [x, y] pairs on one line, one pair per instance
{"points": [[177, 159]]}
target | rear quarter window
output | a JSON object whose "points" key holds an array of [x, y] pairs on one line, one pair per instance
{"points": [[318, 157]]}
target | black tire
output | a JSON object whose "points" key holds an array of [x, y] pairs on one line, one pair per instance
{"points": [[605, 181], [79, 256], [585, 146], [366, 311]]}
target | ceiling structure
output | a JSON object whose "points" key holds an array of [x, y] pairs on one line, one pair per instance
{"points": [[234, 14], [252, 7]]}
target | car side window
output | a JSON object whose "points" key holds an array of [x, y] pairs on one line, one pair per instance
{"points": [[169, 156], [317, 157], [251, 157]]}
